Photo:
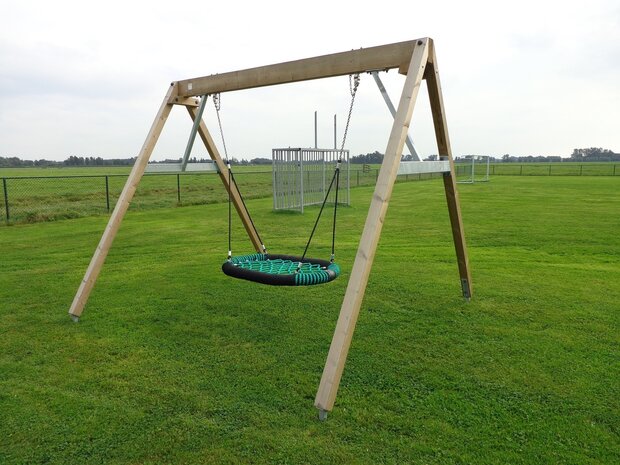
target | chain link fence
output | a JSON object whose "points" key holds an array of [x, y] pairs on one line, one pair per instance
{"points": [[47, 198], [31, 199], [555, 169]]}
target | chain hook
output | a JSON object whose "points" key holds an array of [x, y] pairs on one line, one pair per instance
{"points": [[354, 82], [216, 101]]}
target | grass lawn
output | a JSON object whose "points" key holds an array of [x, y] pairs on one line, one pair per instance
{"points": [[175, 363]]}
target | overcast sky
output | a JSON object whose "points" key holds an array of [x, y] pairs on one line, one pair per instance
{"points": [[520, 77]]}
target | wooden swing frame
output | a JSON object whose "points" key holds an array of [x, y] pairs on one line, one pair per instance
{"points": [[417, 60]]}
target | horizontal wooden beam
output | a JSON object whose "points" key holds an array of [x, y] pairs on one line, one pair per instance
{"points": [[383, 57], [186, 101]]}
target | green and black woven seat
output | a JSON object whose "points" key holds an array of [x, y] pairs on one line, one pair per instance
{"points": [[281, 270]]}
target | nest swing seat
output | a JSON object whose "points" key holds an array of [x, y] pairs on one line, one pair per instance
{"points": [[281, 270]]}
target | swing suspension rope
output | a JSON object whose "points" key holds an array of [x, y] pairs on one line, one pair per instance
{"points": [[232, 181], [279, 269]]}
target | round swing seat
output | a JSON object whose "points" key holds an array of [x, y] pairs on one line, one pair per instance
{"points": [[281, 270]]}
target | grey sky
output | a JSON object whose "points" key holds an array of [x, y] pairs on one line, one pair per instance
{"points": [[525, 78]]}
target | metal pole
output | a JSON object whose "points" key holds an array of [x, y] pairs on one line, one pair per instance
{"points": [[107, 193], [274, 183], [488, 168], [316, 145], [178, 188], [348, 180], [192, 134], [323, 168], [301, 175], [6, 200], [473, 169]]}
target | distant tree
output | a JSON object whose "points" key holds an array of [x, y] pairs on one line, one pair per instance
{"points": [[369, 158], [260, 161], [594, 154]]}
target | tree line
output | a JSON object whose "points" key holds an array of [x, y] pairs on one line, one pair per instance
{"points": [[592, 154]]}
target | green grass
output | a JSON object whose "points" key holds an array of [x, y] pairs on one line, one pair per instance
{"points": [[174, 363]]}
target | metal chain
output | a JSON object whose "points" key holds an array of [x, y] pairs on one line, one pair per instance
{"points": [[217, 103], [231, 181], [354, 82]]}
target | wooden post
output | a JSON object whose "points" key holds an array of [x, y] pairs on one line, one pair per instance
{"points": [[96, 262], [349, 311], [223, 173], [449, 180]]}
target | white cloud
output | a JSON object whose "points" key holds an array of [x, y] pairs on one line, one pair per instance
{"points": [[521, 77]]}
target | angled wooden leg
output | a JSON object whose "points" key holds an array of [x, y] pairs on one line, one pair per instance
{"points": [[222, 171], [96, 262], [449, 180], [349, 311]]}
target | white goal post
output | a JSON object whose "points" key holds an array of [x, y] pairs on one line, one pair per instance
{"points": [[475, 168]]}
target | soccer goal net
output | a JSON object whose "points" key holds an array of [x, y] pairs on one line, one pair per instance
{"points": [[474, 168], [301, 177]]}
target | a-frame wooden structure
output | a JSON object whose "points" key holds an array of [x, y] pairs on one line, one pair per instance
{"points": [[417, 60]]}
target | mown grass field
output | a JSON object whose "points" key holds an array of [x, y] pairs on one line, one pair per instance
{"points": [[174, 363]]}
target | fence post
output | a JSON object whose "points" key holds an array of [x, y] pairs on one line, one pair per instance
{"points": [[614, 173], [358, 176], [6, 199], [178, 188], [521, 172], [580, 170], [107, 193], [549, 170]]}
